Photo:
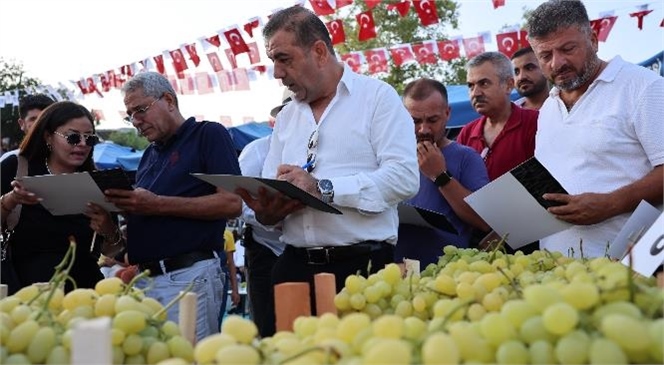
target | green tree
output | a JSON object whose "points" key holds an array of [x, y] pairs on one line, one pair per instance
{"points": [[392, 29], [129, 139]]}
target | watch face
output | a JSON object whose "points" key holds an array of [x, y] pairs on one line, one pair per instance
{"points": [[325, 185]]}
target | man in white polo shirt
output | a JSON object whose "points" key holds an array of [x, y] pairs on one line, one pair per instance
{"points": [[599, 133]]}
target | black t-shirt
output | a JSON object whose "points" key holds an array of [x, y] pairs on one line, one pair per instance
{"points": [[40, 239]]}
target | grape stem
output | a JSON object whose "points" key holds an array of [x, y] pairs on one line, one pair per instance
{"points": [[513, 283], [173, 301], [61, 274], [329, 350]]}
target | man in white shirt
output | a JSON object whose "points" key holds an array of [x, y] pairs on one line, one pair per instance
{"points": [[346, 139], [29, 108], [599, 132]]}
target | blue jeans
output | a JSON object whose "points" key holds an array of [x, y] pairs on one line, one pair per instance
{"points": [[208, 280]]}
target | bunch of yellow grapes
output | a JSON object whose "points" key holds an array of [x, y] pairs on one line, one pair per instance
{"points": [[472, 307], [36, 324]]}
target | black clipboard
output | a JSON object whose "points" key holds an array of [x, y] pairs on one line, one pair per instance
{"points": [[538, 181], [115, 178], [252, 184], [411, 214]]}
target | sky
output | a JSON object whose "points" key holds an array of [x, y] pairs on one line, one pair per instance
{"points": [[91, 36]]}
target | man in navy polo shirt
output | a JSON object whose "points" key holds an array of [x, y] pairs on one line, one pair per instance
{"points": [[176, 221]]}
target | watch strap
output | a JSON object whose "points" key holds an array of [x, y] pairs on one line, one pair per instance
{"points": [[443, 179]]}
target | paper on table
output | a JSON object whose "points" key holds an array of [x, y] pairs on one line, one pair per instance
{"points": [[66, 193], [410, 214], [252, 184], [637, 224], [509, 208]]}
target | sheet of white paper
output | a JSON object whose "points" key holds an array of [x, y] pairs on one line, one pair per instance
{"points": [[648, 253], [509, 208], [637, 224], [66, 193]]}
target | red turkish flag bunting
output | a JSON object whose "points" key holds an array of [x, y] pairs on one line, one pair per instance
{"points": [[179, 64], [231, 58], [367, 25], [204, 83], [241, 79], [523, 39], [353, 61], [372, 3], [336, 29], [401, 54], [193, 54], [187, 85], [251, 25], [159, 63], [236, 41], [473, 46], [640, 15], [254, 55], [81, 85], [401, 7], [342, 3], [321, 7], [426, 11], [213, 57], [449, 50], [602, 27], [92, 87], [214, 40], [508, 43], [661, 24], [425, 53], [105, 84], [498, 3], [377, 60]]}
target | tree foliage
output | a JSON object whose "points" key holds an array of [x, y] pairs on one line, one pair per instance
{"points": [[392, 30], [129, 139], [12, 77]]}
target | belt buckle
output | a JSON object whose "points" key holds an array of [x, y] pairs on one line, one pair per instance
{"points": [[312, 260]]}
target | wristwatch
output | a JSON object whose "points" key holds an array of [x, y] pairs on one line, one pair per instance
{"points": [[326, 190], [443, 179]]}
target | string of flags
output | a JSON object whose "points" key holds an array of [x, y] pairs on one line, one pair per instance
{"points": [[230, 59]]}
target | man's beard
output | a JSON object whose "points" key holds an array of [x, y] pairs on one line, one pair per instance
{"points": [[582, 77], [536, 88]]}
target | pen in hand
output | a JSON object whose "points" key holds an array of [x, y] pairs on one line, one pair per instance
{"points": [[307, 165]]}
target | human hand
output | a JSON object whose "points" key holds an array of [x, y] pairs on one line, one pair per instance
{"points": [[269, 208], [430, 159], [100, 220], [235, 297], [297, 176], [138, 201], [20, 195], [581, 209]]}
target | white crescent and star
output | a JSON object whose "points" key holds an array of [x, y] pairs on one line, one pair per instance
{"points": [[235, 38], [422, 6], [365, 24], [508, 40]]}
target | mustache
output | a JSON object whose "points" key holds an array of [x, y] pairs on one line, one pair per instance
{"points": [[479, 99], [424, 137], [524, 82], [563, 69]]}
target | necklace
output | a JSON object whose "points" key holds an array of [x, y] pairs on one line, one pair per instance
{"points": [[47, 169]]}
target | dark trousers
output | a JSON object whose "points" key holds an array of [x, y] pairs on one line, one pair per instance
{"points": [[293, 267], [258, 262]]}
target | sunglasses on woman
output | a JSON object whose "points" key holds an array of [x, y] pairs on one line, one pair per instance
{"points": [[75, 138]]}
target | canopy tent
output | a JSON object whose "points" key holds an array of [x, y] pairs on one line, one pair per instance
{"points": [[107, 155], [245, 133], [655, 63]]}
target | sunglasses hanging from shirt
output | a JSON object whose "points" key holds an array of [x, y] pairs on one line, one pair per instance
{"points": [[312, 147]]}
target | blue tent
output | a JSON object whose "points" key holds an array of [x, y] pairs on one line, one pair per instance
{"points": [[655, 63], [245, 133], [106, 155]]}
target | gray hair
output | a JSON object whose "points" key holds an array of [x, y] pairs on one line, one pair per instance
{"points": [[502, 64], [553, 15], [152, 83]]}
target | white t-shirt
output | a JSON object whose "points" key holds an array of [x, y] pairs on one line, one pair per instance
{"points": [[612, 137]]}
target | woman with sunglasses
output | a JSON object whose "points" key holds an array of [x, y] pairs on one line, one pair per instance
{"points": [[61, 141]]}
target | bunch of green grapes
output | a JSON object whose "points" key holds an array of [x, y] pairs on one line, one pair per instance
{"points": [[36, 324]]}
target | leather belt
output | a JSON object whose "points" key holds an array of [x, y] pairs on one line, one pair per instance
{"points": [[170, 264], [329, 254]]}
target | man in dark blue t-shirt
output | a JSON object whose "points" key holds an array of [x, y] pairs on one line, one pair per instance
{"points": [[176, 221], [448, 173]]}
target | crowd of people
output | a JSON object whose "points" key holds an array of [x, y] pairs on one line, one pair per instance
{"points": [[351, 141]]}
